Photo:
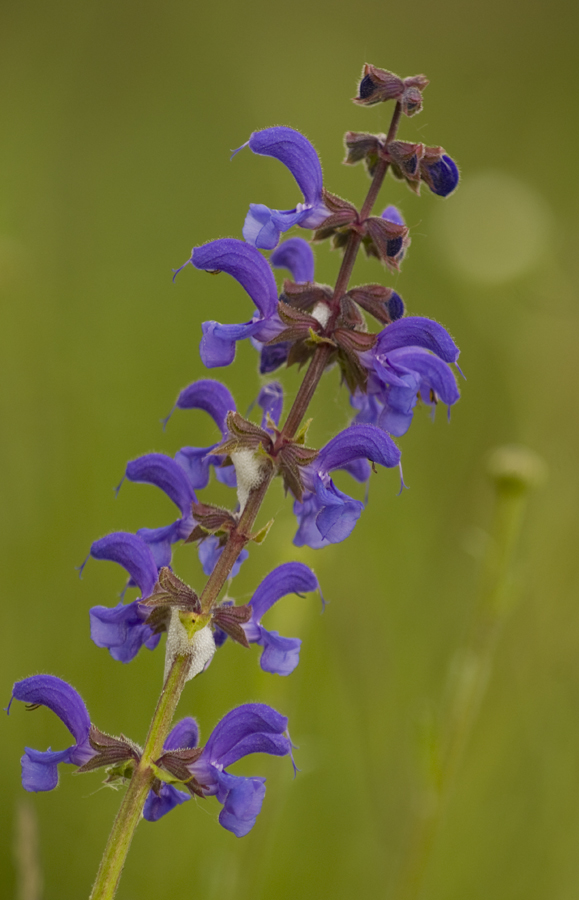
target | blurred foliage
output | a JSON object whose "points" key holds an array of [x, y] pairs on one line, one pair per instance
{"points": [[117, 122]]}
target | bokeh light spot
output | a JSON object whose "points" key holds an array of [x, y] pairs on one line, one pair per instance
{"points": [[494, 229]]}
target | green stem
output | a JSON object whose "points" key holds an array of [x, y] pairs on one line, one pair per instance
{"points": [[469, 683], [130, 811]]}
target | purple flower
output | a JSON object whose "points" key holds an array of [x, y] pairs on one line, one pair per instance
{"points": [[216, 400], [251, 728], [409, 360], [253, 273], [122, 629], [280, 654], [327, 515], [297, 257], [173, 479], [184, 735], [263, 226], [40, 768]]}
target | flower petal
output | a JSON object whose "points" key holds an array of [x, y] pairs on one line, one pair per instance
{"points": [[185, 734], [211, 396], [270, 398], [245, 264], [295, 151], [166, 474], [358, 442], [209, 552], [121, 630], [416, 331], [133, 554], [289, 578], [280, 654], [438, 375], [157, 806], [297, 256], [60, 697], [40, 769], [242, 799], [217, 347], [250, 718], [273, 357]]}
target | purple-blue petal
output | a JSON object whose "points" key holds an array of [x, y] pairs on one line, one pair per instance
{"points": [[166, 474], [183, 735], [436, 373], [289, 578], [295, 151], [393, 214], [245, 264], [242, 799], [121, 630], [250, 718], [280, 654], [270, 399], [40, 768], [157, 806], [336, 520], [297, 256], [133, 554], [211, 396], [273, 357], [60, 697], [217, 347], [209, 552], [358, 442], [416, 331]]}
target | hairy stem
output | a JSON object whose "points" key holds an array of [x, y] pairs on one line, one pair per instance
{"points": [[469, 680], [131, 807]]}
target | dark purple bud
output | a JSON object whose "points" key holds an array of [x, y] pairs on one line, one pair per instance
{"points": [[395, 307], [273, 356]]}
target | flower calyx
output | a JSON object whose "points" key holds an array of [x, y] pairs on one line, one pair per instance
{"points": [[230, 618], [211, 520], [170, 593], [243, 435], [416, 164], [176, 763], [110, 752], [378, 85], [383, 303], [381, 238]]}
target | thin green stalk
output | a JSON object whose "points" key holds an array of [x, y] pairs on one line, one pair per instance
{"points": [[470, 678], [130, 811], [131, 808]]}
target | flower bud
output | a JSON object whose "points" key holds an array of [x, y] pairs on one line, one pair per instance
{"points": [[515, 467], [378, 85]]}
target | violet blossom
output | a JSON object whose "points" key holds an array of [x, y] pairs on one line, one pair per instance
{"points": [[326, 515], [40, 768], [244, 263], [251, 728], [264, 226]]}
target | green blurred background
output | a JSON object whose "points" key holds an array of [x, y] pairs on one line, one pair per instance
{"points": [[117, 122]]}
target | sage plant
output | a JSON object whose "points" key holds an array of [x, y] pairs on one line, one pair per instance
{"points": [[390, 369]]}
